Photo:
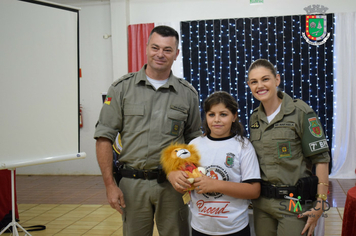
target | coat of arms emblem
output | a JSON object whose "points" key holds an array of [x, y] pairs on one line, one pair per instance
{"points": [[229, 161], [316, 26]]}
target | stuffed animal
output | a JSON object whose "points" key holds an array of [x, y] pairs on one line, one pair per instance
{"points": [[182, 157]]}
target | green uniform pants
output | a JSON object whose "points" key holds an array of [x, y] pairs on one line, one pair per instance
{"points": [[147, 201], [276, 217]]}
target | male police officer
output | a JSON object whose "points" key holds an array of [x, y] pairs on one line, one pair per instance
{"points": [[150, 108]]}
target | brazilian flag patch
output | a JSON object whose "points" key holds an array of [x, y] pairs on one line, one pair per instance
{"points": [[314, 127], [284, 150], [176, 125]]}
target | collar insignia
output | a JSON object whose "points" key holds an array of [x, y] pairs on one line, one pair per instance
{"points": [[256, 125]]}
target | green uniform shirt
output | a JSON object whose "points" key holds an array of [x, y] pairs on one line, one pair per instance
{"points": [[148, 119], [289, 145]]}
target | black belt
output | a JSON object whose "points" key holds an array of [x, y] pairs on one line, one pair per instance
{"points": [[140, 174], [271, 191]]}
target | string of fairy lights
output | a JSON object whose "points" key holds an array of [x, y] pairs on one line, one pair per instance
{"points": [[218, 53]]}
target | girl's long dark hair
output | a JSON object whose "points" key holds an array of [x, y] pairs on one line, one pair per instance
{"points": [[230, 103]]}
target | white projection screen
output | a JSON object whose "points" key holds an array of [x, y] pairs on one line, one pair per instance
{"points": [[39, 90]]}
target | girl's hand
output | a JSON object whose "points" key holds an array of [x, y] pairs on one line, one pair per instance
{"points": [[179, 180], [204, 184]]}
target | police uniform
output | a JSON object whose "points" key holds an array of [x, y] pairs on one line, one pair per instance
{"points": [[148, 121], [287, 148]]}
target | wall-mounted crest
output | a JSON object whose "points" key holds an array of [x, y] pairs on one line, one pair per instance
{"points": [[315, 25]]}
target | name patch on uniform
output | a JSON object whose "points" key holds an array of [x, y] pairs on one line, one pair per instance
{"points": [[284, 150], [255, 125], [178, 108], [315, 146], [314, 127], [175, 127], [229, 162], [284, 125]]}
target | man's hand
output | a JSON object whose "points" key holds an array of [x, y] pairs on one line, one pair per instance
{"points": [[104, 156], [115, 198]]}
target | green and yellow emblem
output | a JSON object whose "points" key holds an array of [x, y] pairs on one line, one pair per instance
{"points": [[316, 29], [229, 160]]}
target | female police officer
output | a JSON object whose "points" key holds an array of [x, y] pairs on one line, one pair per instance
{"points": [[289, 140]]}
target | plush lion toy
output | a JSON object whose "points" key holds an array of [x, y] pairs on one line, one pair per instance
{"points": [[182, 157]]}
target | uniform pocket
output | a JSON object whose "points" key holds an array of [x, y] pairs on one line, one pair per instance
{"points": [[283, 134], [134, 110], [175, 121], [255, 136], [177, 114], [133, 117]]}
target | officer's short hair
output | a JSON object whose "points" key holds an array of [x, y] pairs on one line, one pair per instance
{"points": [[165, 31]]}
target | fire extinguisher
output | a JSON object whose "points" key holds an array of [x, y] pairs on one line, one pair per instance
{"points": [[80, 117]]}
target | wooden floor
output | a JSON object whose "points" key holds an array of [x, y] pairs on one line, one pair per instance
{"points": [[76, 205]]}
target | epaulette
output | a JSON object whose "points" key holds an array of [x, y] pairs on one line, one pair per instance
{"points": [[127, 76], [187, 84], [255, 110], [302, 106]]}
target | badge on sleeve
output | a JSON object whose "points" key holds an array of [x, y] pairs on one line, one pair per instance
{"points": [[314, 127], [107, 100]]}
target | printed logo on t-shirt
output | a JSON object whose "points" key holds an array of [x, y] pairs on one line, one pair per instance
{"points": [[216, 209], [229, 163], [216, 172]]}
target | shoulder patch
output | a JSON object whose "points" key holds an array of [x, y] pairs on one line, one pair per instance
{"points": [[187, 84], [303, 106], [127, 76]]}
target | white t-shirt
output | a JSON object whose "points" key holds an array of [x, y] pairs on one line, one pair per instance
{"points": [[271, 117], [225, 159], [156, 83]]}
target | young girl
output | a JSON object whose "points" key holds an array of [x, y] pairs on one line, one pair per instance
{"points": [[219, 203]]}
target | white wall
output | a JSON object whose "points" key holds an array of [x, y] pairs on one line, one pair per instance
{"points": [[104, 60]]}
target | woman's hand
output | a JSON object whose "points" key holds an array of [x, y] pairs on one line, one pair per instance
{"points": [[322, 170], [313, 215], [179, 180]]}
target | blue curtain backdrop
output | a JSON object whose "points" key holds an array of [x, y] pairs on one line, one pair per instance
{"points": [[218, 53]]}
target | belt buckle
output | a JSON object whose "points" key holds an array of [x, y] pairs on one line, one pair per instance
{"points": [[283, 191]]}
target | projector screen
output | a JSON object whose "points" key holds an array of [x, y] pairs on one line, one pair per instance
{"points": [[39, 91]]}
